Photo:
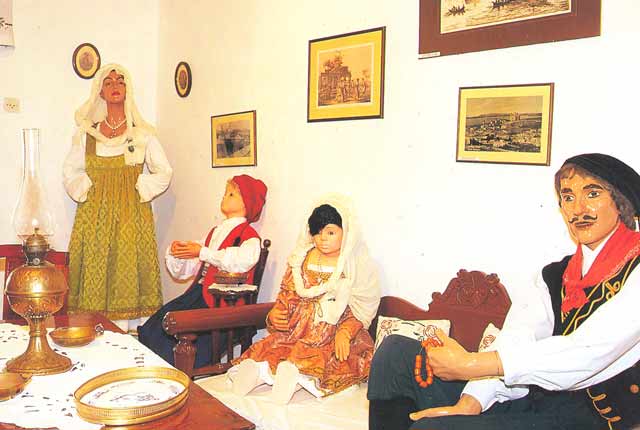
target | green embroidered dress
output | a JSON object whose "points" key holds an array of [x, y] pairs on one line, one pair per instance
{"points": [[113, 266]]}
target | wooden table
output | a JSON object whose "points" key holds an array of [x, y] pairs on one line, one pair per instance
{"points": [[201, 412]]}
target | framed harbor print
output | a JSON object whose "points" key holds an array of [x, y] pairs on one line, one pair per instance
{"points": [[458, 26], [86, 60], [346, 76], [182, 79], [505, 124], [233, 139]]}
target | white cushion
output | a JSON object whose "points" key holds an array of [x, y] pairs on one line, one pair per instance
{"points": [[489, 335], [418, 329]]}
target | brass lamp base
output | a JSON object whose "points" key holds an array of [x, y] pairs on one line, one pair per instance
{"points": [[39, 358]]}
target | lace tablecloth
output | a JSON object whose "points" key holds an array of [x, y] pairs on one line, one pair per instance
{"points": [[47, 401]]}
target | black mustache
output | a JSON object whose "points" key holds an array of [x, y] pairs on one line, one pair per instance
{"points": [[584, 218]]}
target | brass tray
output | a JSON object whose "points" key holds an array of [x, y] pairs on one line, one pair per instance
{"points": [[130, 397], [230, 278], [76, 336], [12, 384]]}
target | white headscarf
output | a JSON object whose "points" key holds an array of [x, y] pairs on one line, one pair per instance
{"points": [[95, 110], [359, 288]]}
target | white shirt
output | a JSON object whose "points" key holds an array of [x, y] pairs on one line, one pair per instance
{"points": [[237, 259], [149, 185], [604, 345]]}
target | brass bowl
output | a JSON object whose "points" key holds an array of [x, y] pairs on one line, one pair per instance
{"points": [[100, 386], [76, 336], [12, 384], [231, 278]]}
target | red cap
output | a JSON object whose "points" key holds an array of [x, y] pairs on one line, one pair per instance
{"points": [[254, 193]]}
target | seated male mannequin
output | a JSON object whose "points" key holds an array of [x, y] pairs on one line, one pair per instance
{"points": [[233, 246]]}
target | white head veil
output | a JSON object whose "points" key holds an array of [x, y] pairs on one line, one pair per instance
{"points": [[94, 110], [359, 288]]}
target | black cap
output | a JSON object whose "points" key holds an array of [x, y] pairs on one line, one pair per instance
{"points": [[620, 175]]}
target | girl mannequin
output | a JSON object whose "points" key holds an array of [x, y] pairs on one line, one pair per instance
{"points": [[318, 326]]}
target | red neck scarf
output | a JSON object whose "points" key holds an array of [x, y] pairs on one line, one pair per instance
{"points": [[622, 246]]}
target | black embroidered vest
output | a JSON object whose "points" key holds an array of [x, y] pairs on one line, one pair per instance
{"points": [[617, 399]]}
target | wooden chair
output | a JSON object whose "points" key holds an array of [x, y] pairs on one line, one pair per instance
{"points": [[185, 350], [14, 257], [471, 301]]}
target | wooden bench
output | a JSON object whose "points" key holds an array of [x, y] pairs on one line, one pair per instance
{"points": [[471, 301]]}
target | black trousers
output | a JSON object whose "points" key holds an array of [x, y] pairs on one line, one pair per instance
{"points": [[154, 337], [393, 393]]}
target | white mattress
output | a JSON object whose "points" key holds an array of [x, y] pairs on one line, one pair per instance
{"points": [[346, 410]]}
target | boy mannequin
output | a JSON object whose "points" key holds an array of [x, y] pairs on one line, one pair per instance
{"points": [[233, 246]]}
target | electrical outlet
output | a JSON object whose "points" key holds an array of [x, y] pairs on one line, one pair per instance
{"points": [[11, 104]]}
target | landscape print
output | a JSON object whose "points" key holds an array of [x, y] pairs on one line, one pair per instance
{"points": [[345, 75], [458, 15], [233, 139], [498, 124], [505, 124]]}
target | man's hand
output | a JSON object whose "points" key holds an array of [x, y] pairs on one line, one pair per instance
{"points": [[451, 362], [343, 346], [279, 319], [185, 250], [467, 405]]}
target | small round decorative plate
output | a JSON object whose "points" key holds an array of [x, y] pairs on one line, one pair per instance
{"points": [[182, 79], [86, 60]]}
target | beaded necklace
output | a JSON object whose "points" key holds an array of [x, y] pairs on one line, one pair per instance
{"points": [[114, 128]]}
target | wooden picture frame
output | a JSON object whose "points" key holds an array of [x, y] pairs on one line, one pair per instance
{"points": [[346, 76], [455, 26], [86, 60], [505, 124], [182, 79], [233, 139]]}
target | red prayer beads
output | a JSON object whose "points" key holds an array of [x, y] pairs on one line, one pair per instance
{"points": [[417, 371]]}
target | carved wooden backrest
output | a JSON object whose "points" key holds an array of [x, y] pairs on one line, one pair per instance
{"points": [[262, 262], [471, 301], [14, 257]]}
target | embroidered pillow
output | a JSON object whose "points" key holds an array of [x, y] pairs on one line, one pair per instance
{"points": [[489, 335], [418, 329]]}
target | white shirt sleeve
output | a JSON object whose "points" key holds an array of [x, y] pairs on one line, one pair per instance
{"points": [[74, 176], [530, 319], [607, 343], [234, 258], [181, 268], [149, 185]]}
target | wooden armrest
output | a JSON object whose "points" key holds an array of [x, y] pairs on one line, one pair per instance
{"points": [[198, 320]]}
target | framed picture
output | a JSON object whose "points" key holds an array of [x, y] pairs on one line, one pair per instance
{"points": [[346, 76], [182, 79], [458, 26], [233, 139], [505, 124], [86, 60]]}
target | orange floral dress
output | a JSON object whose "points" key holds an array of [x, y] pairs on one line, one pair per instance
{"points": [[311, 346]]}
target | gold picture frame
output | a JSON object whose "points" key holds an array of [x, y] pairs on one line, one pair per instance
{"points": [[505, 124], [233, 139], [346, 76], [86, 60], [182, 79]]}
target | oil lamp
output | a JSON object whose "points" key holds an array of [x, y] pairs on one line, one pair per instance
{"points": [[36, 289]]}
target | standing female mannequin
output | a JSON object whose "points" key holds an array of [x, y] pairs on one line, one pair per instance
{"points": [[113, 266]]}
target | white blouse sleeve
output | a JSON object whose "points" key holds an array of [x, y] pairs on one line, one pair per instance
{"points": [[530, 319], [155, 182], [74, 176], [607, 343], [234, 258]]}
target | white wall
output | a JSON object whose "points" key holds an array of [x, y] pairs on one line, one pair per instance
{"points": [[425, 216], [39, 72]]}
